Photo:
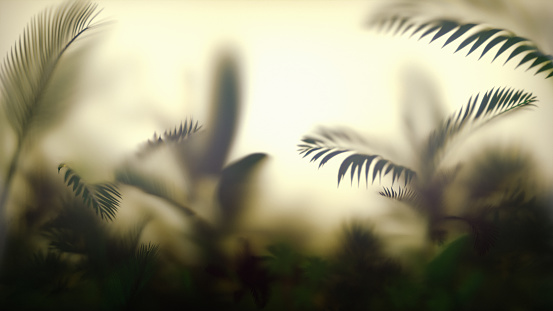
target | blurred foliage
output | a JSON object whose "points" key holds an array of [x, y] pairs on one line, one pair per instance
{"points": [[61, 254]]}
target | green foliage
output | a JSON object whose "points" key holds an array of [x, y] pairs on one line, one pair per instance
{"points": [[401, 194], [428, 192], [475, 114], [27, 70], [327, 143], [132, 276], [88, 267], [178, 135], [477, 36], [104, 198]]}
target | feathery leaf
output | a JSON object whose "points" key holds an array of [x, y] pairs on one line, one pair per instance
{"points": [[483, 36], [177, 135], [477, 113], [331, 143], [28, 67], [406, 195], [104, 198]]}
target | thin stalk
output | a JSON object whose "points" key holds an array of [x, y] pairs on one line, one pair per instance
{"points": [[4, 197]]}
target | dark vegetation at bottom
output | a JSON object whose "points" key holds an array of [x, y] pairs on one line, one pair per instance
{"points": [[88, 269]]}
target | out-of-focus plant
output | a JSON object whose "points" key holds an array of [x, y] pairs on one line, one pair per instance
{"points": [[415, 19], [430, 178], [423, 188], [29, 101], [200, 155]]}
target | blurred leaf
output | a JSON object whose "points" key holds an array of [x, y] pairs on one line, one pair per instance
{"points": [[177, 135], [131, 277], [406, 195], [26, 71], [477, 113], [223, 116], [489, 37], [331, 143], [442, 268], [233, 185], [104, 198]]}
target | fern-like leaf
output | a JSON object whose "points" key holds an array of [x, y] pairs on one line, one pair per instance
{"points": [[478, 112], [27, 69], [406, 195], [103, 198], [177, 135], [327, 146], [475, 36]]}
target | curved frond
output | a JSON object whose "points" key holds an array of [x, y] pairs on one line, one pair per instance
{"points": [[472, 36], [177, 135], [477, 112], [28, 67], [402, 194], [331, 143], [104, 198]]}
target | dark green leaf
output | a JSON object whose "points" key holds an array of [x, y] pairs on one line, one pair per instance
{"points": [[493, 104], [484, 37], [103, 198], [335, 142]]}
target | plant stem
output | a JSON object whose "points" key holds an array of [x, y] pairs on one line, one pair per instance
{"points": [[4, 198]]}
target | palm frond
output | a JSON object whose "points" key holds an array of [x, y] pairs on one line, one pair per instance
{"points": [[477, 112], [476, 35], [28, 67], [177, 135], [103, 198], [328, 145], [406, 195]]}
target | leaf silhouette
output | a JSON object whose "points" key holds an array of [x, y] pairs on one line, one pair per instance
{"points": [[406, 195], [224, 111], [331, 143], [487, 37], [27, 69], [177, 135], [233, 186], [477, 112], [103, 198]]}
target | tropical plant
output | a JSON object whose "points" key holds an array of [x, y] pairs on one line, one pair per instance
{"points": [[401, 17], [424, 186], [103, 198], [26, 77]]}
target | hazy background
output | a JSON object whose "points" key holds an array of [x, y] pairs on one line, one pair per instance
{"points": [[304, 64]]}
